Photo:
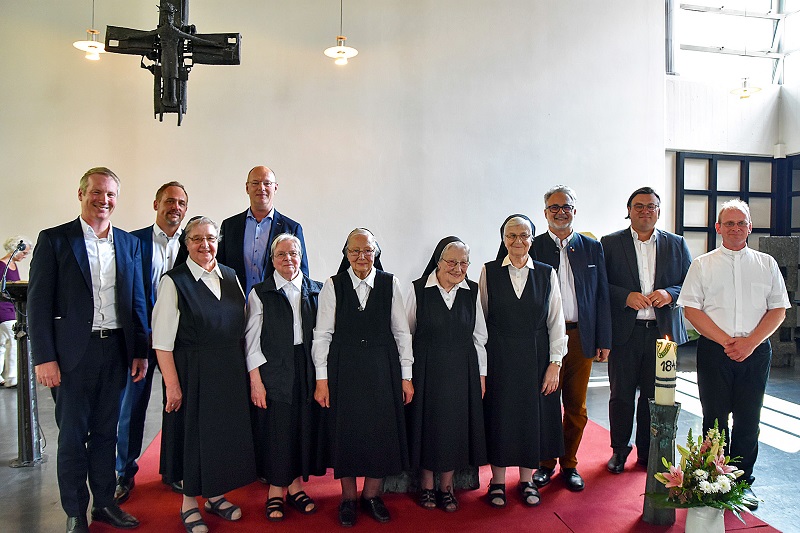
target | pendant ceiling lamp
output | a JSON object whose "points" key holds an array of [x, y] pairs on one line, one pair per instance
{"points": [[340, 52], [91, 45], [745, 91]]}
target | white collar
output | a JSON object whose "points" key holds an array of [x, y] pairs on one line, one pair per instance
{"points": [[734, 253], [433, 281], [559, 241], [158, 232], [89, 231], [648, 241], [529, 263], [198, 271], [281, 282], [369, 280]]}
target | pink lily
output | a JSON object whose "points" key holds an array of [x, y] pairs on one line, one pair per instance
{"points": [[674, 478], [723, 468]]}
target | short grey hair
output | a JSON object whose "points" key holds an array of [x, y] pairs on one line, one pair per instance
{"points": [[518, 221], [454, 244], [737, 204], [83, 184], [368, 233], [568, 191], [285, 237], [11, 244], [202, 221]]}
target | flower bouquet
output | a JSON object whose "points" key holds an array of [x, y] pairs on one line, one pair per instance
{"points": [[704, 477]]}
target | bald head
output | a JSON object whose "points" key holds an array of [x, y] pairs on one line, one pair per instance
{"points": [[261, 188]]}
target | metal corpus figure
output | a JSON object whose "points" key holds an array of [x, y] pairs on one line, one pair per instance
{"points": [[174, 49]]}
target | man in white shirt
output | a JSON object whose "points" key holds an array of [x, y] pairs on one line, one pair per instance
{"points": [[735, 297], [161, 244]]}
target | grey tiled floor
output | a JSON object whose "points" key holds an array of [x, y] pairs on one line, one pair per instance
{"points": [[29, 499]]}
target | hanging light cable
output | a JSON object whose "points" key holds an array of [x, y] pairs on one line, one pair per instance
{"points": [[340, 52], [91, 45]]}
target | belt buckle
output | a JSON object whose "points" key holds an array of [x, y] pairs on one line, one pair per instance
{"points": [[105, 333]]}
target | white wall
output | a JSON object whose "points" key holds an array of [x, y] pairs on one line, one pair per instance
{"points": [[454, 114], [790, 92]]}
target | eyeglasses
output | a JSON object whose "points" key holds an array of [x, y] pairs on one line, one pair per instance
{"points": [[641, 207], [210, 239], [368, 252], [742, 224], [512, 237], [283, 255], [453, 264], [266, 184], [555, 208]]}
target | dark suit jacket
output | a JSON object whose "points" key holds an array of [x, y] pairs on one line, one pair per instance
{"points": [[672, 263], [230, 251], [588, 266], [145, 236], [60, 301]]}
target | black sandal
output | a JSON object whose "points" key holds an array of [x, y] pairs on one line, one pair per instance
{"points": [[446, 501], [226, 512], [501, 495], [427, 499], [275, 505], [300, 501], [189, 526], [527, 489]]}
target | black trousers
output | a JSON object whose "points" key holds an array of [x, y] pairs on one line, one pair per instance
{"points": [[727, 387], [87, 410], [630, 366]]}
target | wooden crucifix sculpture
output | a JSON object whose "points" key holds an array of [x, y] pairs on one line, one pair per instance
{"points": [[174, 49]]}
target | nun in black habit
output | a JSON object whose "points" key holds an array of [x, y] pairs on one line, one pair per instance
{"points": [[527, 340], [446, 417], [363, 359]]}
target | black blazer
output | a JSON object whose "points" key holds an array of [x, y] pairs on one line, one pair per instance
{"points": [[230, 251], [588, 265], [672, 263], [60, 301]]}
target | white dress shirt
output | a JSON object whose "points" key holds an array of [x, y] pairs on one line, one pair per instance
{"points": [[103, 267], [646, 262], [734, 288], [556, 327], [165, 249], [566, 280], [479, 334], [255, 318], [166, 314], [326, 322]]}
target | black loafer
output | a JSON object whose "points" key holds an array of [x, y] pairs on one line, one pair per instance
{"points": [[542, 476], [573, 479], [77, 524], [114, 516], [347, 513], [616, 465], [375, 508], [751, 502], [123, 490]]}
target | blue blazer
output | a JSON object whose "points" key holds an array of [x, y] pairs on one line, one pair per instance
{"points": [[588, 265], [60, 300], [672, 263], [230, 251], [145, 236]]}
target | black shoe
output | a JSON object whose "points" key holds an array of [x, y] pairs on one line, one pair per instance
{"points": [[542, 476], [177, 486], [751, 502], [375, 508], [616, 465], [347, 513], [77, 524], [643, 459], [573, 479], [114, 516], [123, 490]]}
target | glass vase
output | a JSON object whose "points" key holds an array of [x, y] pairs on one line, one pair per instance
{"points": [[705, 520]]}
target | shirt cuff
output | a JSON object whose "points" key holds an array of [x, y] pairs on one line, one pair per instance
{"points": [[322, 372], [406, 372]]}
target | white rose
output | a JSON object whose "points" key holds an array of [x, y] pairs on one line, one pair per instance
{"points": [[700, 474]]}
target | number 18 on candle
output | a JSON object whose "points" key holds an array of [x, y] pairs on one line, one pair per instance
{"points": [[666, 370]]}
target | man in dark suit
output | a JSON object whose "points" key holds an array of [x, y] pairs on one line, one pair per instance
{"points": [[246, 237], [161, 247], [88, 326], [646, 268], [581, 268]]}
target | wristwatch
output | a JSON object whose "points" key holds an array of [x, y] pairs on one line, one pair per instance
{"points": [[557, 363]]}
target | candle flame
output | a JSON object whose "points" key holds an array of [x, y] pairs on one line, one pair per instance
{"points": [[666, 337]]}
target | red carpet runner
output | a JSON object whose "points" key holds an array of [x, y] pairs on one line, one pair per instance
{"points": [[610, 503]]}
